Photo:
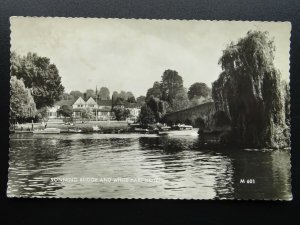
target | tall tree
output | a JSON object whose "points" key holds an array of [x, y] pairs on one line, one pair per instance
{"points": [[40, 76], [155, 91], [198, 90], [181, 100], [158, 107], [171, 83], [22, 104], [146, 116], [104, 93], [249, 91]]}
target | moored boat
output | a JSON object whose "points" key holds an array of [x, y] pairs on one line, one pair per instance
{"points": [[74, 130], [138, 128], [178, 130], [47, 131]]}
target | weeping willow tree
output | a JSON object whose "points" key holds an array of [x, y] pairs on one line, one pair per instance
{"points": [[249, 90], [22, 105]]}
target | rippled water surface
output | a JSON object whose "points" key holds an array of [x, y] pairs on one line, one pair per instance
{"points": [[150, 166]]}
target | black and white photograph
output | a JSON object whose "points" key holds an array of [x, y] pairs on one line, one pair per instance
{"points": [[159, 109]]}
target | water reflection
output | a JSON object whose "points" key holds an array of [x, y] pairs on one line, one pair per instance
{"points": [[182, 168]]}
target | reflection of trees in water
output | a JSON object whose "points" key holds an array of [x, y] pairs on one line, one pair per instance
{"points": [[168, 151], [169, 145], [281, 174], [182, 161], [224, 179], [205, 170], [223, 168], [271, 171]]}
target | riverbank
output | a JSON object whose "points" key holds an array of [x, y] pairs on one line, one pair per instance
{"points": [[105, 126]]}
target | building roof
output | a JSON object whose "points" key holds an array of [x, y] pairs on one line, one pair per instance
{"points": [[79, 101], [130, 105], [91, 101], [104, 102]]}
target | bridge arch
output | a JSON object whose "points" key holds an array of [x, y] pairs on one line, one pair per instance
{"points": [[197, 116]]}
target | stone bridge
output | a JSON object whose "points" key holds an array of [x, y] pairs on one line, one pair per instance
{"points": [[199, 116]]}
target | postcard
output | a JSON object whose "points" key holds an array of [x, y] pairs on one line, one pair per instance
{"points": [[138, 108]]}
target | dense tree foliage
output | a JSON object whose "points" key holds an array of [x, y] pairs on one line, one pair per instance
{"points": [[146, 116], [180, 100], [169, 95], [249, 91], [155, 91], [104, 93], [158, 107], [171, 83], [40, 76], [170, 90], [141, 100], [287, 101], [76, 94], [122, 97], [89, 93], [131, 99], [87, 114], [22, 104], [121, 113], [41, 114], [65, 110], [198, 90]]}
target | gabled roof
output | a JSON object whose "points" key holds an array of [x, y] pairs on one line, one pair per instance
{"points": [[91, 101], [79, 101]]}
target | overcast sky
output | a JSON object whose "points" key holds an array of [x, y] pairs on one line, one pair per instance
{"points": [[131, 54]]}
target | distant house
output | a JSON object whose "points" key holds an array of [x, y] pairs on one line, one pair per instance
{"points": [[104, 109], [100, 108], [134, 110], [79, 104], [52, 111]]}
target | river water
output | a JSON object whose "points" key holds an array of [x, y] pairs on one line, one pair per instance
{"points": [[142, 166]]}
